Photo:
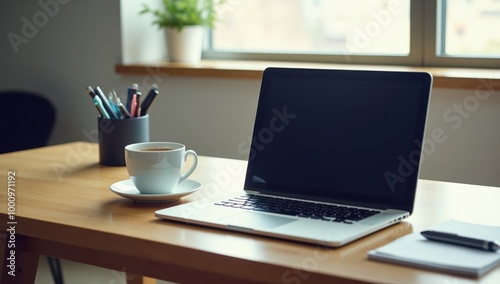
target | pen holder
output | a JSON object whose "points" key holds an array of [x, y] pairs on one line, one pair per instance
{"points": [[115, 134]]}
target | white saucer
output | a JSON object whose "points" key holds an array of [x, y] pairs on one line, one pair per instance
{"points": [[127, 189]]}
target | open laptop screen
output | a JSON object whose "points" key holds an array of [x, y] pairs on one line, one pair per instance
{"points": [[339, 135]]}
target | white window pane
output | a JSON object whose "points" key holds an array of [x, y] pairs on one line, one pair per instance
{"points": [[472, 27], [314, 26]]}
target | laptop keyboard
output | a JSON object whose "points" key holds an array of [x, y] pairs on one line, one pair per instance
{"points": [[320, 211]]}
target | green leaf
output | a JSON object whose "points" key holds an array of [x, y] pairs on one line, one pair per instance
{"points": [[181, 13]]}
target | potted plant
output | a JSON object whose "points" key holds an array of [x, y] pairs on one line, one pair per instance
{"points": [[184, 22]]}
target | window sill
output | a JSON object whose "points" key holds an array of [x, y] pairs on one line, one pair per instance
{"points": [[454, 78]]}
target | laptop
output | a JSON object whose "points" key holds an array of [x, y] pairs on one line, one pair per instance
{"points": [[335, 156]]}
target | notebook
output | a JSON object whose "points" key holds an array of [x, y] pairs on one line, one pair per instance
{"points": [[415, 250], [338, 151]]}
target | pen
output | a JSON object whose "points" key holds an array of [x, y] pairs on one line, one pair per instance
{"points": [[138, 104], [148, 101], [114, 105], [90, 91], [99, 110], [116, 97], [133, 105], [132, 90], [124, 110], [105, 102], [455, 239], [102, 110]]}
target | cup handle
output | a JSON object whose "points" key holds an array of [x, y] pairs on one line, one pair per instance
{"points": [[193, 167]]}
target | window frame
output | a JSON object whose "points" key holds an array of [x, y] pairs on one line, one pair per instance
{"points": [[431, 56], [423, 47]]}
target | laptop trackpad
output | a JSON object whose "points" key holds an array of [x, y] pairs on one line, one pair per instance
{"points": [[255, 220]]}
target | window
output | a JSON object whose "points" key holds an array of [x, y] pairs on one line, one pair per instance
{"points": [[470, 28], [419, 32], [305, 26]]}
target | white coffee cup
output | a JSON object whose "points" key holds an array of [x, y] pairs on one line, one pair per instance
{"points": [[156, 167]]}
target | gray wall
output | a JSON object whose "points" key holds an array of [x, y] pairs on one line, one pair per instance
{"points": [[77, 43]]}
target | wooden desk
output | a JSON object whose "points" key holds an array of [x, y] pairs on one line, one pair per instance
{"points": [[64, 208]]}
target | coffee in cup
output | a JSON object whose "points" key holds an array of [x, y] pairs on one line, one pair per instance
{"points": [[156, 149], [156, 167]]}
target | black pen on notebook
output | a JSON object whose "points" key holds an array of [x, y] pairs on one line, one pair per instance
{"points": [[456, 239]]}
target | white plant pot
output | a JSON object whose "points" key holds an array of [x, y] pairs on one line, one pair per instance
{"points": [[184, 45]]}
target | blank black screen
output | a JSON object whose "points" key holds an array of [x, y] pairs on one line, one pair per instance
{"points": [[339, 135]]}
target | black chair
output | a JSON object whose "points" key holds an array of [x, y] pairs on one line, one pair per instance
{"points": [[27, 121]]}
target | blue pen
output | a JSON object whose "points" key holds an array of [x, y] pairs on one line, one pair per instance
{"points": [[100, 107], [104, 102], [114, 105]]}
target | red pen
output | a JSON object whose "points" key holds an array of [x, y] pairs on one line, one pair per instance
{"points": [[133, 105]]}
